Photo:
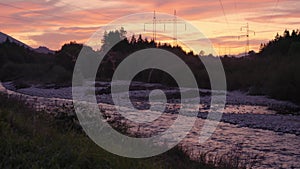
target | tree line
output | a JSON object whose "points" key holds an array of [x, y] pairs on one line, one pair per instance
{"points": [[274, 71]]}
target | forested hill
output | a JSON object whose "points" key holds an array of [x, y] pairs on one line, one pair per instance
{"points": [[273, 71]]}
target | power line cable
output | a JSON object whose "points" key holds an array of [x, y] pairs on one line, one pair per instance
{"points": [[223, 11]]}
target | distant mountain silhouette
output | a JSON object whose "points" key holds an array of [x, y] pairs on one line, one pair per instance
{"points": [[4, 36], [41, 49]]}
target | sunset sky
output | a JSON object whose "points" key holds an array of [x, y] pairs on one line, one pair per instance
{"points": [[52, 23]]}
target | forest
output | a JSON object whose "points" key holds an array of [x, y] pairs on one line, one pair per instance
{"points": [[273, 71]]}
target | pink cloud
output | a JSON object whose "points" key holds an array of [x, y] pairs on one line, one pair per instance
{"points": [[54, 22], [56, 40]]}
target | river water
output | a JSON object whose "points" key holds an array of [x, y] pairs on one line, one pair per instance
{"points": [[250, 129]]}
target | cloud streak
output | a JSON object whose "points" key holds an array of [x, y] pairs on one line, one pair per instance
{"points": [[54, 22]]}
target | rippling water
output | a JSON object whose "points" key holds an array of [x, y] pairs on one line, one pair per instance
{"points": [[258, 135], [258, 148]]}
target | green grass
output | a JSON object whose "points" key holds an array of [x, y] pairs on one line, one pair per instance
{"points": [[31, 139]]}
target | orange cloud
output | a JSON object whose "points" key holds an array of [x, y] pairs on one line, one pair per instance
{"points": [[54, 22]]}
